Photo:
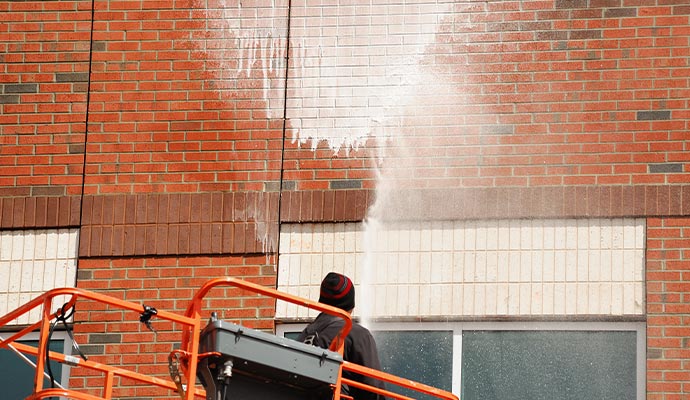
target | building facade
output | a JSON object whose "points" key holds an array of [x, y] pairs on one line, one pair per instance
{"points": [[505, 181]]}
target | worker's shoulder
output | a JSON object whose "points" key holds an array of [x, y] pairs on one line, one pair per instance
{"points": [[360, 330], [327, 321], [324, 320]]}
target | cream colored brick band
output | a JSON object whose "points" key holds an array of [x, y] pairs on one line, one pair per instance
{"points": [[472, 268]]}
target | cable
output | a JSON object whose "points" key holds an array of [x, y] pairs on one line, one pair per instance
{"points": [[86, 130], [61, 316], [282, 148]]}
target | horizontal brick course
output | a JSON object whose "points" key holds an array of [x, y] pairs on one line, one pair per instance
{"points": [[39, 212], [179, 224], [229, 223], [483, 203]]}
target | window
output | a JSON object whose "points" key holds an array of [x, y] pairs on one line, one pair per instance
{"points": [[17, 375], [548, 365], [509, 360], [425, 355]]}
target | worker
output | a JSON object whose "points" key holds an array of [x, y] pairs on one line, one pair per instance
{"points": [[360, 347]]}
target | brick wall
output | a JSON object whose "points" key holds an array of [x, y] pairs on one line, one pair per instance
{"points": [[187, 99], [503, 93], [490, 95], [498, 109], [44, 73], [115, 337], [170, 109]]}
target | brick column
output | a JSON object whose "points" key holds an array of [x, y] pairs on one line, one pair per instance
{"points": [[668, 308]]}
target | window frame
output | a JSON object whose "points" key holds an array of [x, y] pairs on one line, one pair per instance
{"points": [[457, 329], [66, 349]]}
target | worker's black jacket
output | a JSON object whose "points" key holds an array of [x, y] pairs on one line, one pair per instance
{"points": [[360, 348]]}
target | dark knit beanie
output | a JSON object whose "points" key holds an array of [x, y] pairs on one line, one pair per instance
{"points": [[338, 291]]}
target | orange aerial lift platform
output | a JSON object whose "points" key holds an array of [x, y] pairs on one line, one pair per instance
{"points": [[220, 361]]}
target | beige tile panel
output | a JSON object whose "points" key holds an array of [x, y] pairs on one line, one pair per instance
{"points": [[33, 262], [472, 268]]}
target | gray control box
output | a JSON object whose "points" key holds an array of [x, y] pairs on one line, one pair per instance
{"points": [[262, 365]]}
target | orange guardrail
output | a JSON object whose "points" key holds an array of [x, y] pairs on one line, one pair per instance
{"points": [[188, 353], [46, 302]]}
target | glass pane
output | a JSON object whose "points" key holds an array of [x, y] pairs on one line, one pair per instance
{"points": [[422, 356], [549, 365], [17, 377]]}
